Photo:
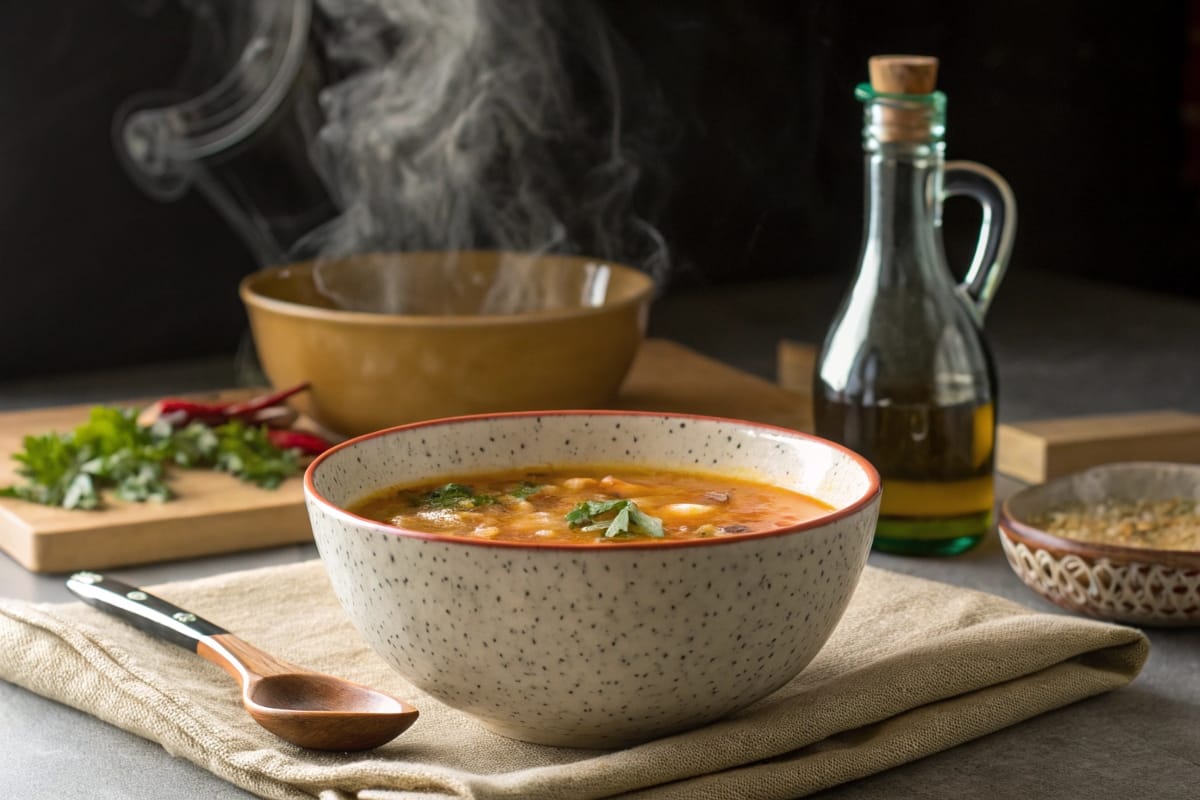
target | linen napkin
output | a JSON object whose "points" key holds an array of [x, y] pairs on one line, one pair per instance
{"points": [[915, 667]]}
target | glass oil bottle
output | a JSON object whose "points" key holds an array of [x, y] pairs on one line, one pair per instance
{"points": [[904, 376]]}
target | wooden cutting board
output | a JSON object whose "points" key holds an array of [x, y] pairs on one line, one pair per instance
{"points": [[215, 513]]}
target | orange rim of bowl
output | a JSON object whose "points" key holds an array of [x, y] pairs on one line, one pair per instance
{"points": [[871, 494], [251, 297], [1032, 536]]}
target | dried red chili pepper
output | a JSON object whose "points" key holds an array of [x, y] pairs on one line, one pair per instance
{"points": [[179, 412], [307, 443], [249, 407]]}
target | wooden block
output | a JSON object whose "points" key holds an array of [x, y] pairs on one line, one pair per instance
{"points": [[1037, 451]]}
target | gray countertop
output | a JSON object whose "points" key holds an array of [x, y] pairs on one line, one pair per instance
{"points": [[1062, 348]]}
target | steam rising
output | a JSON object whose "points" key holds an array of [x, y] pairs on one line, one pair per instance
{"points": [[479, 124]]}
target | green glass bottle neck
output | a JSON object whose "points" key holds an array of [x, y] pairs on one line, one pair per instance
{"points": [[901, 231], [904, 156], [902, 121]]}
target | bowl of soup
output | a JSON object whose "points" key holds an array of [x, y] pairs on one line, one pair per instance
{"points": [[389, 338], [593, 578]]}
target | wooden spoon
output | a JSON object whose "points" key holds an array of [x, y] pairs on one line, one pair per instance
{"points": [[309, 709]]}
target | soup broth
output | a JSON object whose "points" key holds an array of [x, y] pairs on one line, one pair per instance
{"points": [[591, 505]]}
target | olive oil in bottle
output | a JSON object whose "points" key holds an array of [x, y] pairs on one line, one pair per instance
{"points": [[935, 464], [904, 376]]}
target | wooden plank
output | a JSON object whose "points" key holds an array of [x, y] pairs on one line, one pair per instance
{"points": [[215, 513], [669, 377], [795, 364], [1037, 451]]}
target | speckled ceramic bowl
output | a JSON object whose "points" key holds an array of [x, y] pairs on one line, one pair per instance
{"points": [[594, 645], [1138, 585], [437, 334]]}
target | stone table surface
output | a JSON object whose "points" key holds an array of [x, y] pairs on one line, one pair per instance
{"points": [[1062, 346]]}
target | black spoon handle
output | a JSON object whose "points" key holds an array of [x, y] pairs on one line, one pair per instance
{"points": [[143, 610]]}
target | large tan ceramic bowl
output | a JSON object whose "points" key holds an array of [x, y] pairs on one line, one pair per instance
{"points": [[476, 332], [595, 644]]}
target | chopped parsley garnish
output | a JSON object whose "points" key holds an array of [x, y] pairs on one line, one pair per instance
{"points": [[525, 490], [111, 450], [454, 495], [627, 518]]}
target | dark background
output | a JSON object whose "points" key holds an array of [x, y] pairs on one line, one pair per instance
{"points": [[1081, 106]]}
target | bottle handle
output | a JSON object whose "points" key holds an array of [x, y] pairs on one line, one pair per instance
{"points": [[996, 230]]}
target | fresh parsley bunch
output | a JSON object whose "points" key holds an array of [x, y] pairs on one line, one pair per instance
{"points": [[111, 450]]}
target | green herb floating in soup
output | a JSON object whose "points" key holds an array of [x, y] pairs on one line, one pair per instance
{"points": [[524, 490], [591, 505], [626, 518], [453, 495]]}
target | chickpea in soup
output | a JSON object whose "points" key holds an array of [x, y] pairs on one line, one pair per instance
{"points": [[591, 505]]}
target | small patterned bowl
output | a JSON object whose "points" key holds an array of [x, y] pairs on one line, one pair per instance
{"points": [[594, 645], [1137, 585]]}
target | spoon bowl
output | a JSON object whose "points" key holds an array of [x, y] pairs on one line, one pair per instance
{"points": [[320, 712], [309, 709]]}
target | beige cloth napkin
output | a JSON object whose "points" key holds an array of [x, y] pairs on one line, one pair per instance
{"points": [[915, 667]]}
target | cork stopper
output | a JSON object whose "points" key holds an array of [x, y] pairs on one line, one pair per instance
{"points": [[903, 74]]}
